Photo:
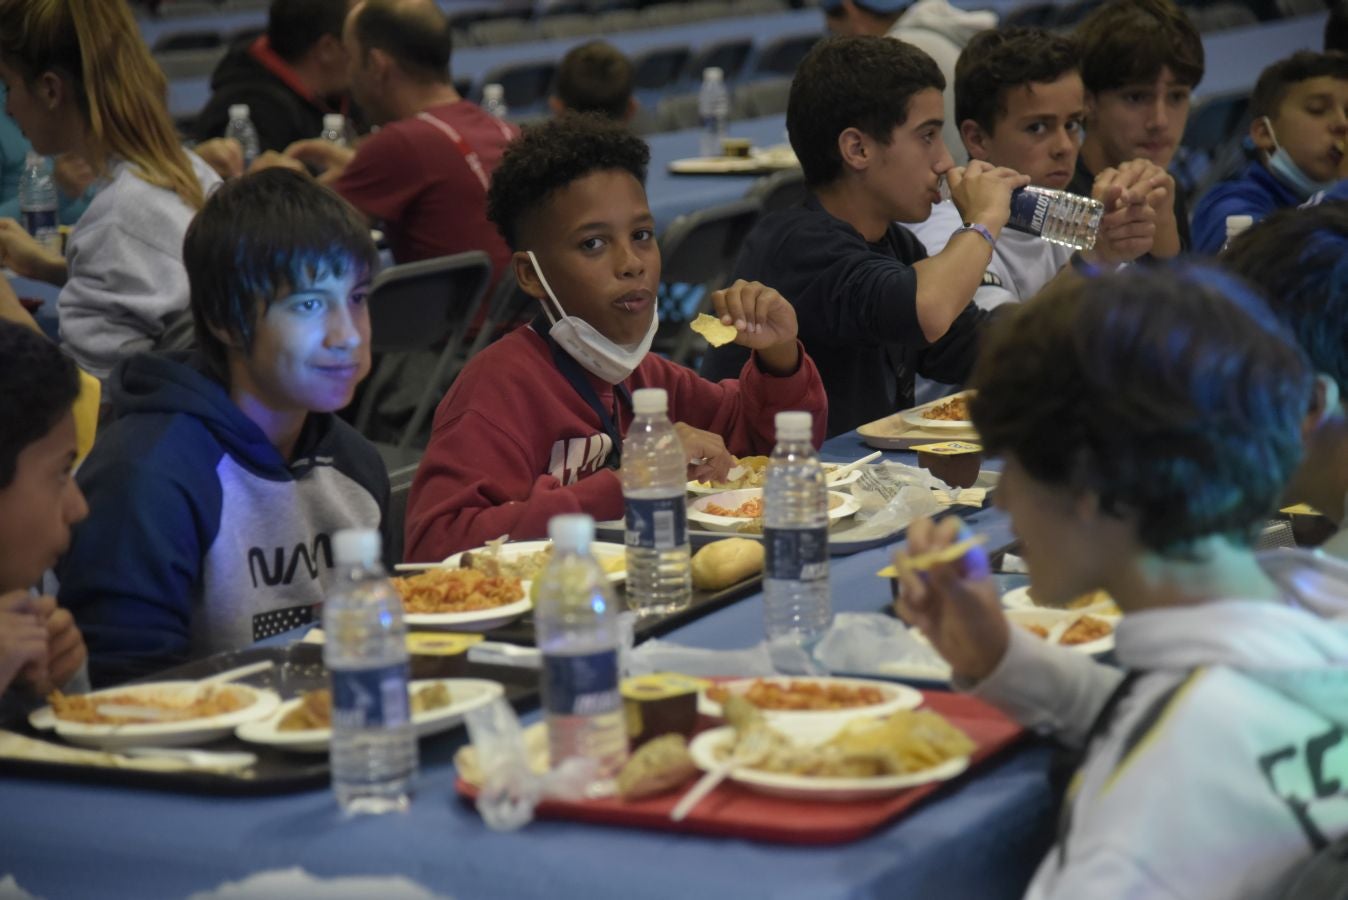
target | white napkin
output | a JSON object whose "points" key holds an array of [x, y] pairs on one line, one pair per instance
{"points": [[297, 884]]}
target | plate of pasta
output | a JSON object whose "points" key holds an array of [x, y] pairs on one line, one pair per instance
{"points": [[160, 714], [464, 599], [303, 724], [525, 560], [814, 698]]}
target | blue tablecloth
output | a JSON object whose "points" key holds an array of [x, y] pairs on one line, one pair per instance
{"points": [[980, 838], [671, 195]]}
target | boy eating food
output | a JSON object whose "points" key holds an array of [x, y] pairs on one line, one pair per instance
{"points": [[534, 424], [217, 489]]}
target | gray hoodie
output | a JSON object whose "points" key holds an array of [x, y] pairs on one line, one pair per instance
{"points": [[1223, 767]]}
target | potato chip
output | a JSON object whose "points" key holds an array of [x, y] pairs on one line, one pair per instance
{"points": [[711, 328], [925, 561]]}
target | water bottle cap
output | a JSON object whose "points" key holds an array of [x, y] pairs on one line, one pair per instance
{"points": [[493, 92], [650, 402], [352, 546], [333, 121], [1236, 224], [238, 111], [713, 73], [573, 531], [793, 425]]}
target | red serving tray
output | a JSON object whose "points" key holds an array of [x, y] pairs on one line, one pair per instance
{"points": [[733, 810]]}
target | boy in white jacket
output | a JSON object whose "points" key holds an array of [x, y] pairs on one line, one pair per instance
{"points": [[1148, 422]]}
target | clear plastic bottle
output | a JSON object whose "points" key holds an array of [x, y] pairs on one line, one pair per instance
{"points": [[655, 486], [796, 601], [493, 100], [1235, 227], [334, 129], [1059, 217], [241, 128], [576, 626], [38, 202], [713, 109], [374, 747]]}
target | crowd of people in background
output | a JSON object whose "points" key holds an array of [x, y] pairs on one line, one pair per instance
{"points": [[216, 310]]}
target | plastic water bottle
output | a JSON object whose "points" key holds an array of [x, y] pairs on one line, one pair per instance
{"points": [[334, 129], [713, 108], [241, 128], [1059, 217], [1235, 226], [796, 601], [655, 485], [374, 747], [38, 201], [493, 100], [576, 626]]}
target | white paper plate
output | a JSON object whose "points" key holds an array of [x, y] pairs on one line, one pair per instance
{"points": [[189, 732], [1019, 598], [703, 487], [897, 697], [847, 506], [915, 416], [1058, 620], [602, 551], [476, 620], [801, 787], [466, 694]]}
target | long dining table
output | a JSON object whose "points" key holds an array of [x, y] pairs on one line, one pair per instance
{"points": [[980, 836]]}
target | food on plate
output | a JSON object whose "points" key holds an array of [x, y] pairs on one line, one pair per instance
{"points": [[713, 330], [1086, 629], [168, 706], [723, 563], [659, 703], [659, 766], [314, 710], [902, 742], [1096, 601], [496, 561], [956, 409], [1037, 630], [923, 562], [749, 509], [802, 695], [456, 591], [751, 471]]}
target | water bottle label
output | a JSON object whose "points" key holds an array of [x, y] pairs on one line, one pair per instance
{"points": [[581, 685], [796, 554], [40, 223], [657, 524], [1029, 209], [370, 698]]}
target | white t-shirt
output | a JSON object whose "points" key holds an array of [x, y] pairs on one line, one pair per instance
{"points": [[1021, 263]]}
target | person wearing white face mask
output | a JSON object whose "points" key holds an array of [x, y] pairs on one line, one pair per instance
{"points": [[1300, 127], [533, 426]]}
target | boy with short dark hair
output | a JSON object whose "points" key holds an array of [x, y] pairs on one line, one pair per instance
{"points": [[216, 490], [39, 502], [533, 425], [595, 77], [864, 117], [1300, 131], [1140, 62], [1020, 103]]}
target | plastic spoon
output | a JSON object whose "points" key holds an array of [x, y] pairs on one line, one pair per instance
{"points": [[837, 474]]}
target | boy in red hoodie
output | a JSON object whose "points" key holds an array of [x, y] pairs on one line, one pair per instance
{"points": [[533, 426]]}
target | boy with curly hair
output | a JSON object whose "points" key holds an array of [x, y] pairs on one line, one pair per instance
{"points": [[534, 424]]}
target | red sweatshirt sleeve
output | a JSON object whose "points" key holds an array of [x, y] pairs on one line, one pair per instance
{"points": [[460, 501], [742, 410]]}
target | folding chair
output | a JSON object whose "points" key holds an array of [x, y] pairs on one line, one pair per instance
{"points": [[491, 32], [699, 249], [400, 486], [659, 67], [180, 64], [526, 84], [677, 113], [780, 190], [508, 306], [728, 55], [783, 55], [416, 306], [568, 25], [765, 97]]}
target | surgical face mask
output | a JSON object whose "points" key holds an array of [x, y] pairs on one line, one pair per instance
{"points": [[1281, 164], [598, 355]]}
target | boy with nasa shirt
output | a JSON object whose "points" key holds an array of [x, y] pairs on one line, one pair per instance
{"points": [[533, 426]]}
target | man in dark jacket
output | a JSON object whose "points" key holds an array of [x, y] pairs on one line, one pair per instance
{"points": [[289, 77]]}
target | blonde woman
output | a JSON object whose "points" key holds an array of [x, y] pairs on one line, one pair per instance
{"points": [[81, 81]]}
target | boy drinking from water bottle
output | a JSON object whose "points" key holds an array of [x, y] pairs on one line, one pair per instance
{"points": [[534, 424]]}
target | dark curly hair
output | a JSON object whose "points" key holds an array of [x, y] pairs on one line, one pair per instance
{"points": [[1172, 394], [1277, 79], [550, 156], [852, 82], [1128, 42], [1299, 258], [38, 385], [258, 238], [998, 60]]}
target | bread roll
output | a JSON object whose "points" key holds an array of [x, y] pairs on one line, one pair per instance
{"points": [[725, 562]]}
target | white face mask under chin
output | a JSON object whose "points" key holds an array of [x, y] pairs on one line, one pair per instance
{"points": [[598, 355]]}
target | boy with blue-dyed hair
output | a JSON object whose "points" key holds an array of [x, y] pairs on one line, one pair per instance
{"points": [[217, 488]]}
